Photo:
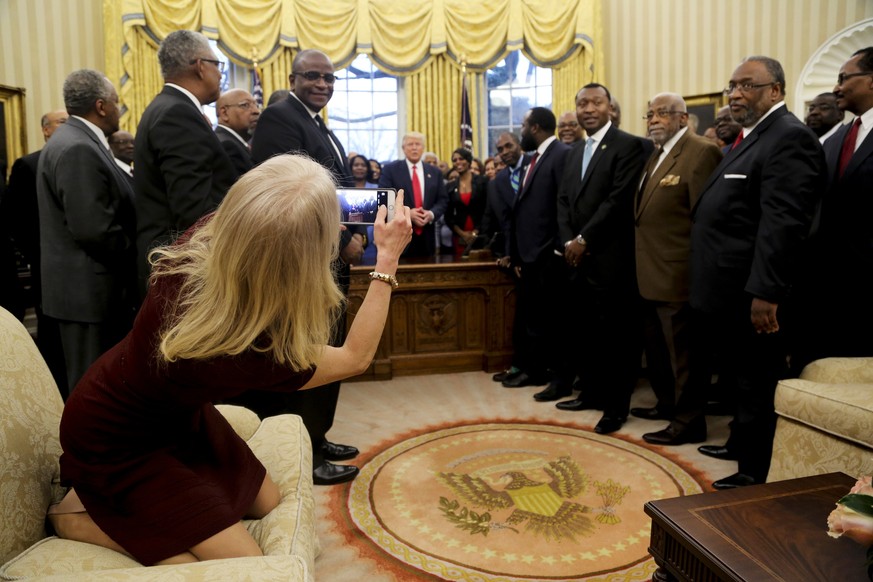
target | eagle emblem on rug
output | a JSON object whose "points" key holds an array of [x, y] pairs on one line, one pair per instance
{"points": [[544, 507]]}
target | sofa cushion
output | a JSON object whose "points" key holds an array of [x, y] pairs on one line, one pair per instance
{"points": [[53, 556], [842, 410], [833, 370]]}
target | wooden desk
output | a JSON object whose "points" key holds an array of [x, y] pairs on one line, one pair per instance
{"points": [[775, 531], [446, 316]]}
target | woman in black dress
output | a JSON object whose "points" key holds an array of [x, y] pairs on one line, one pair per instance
{"points": [[467, 196]]}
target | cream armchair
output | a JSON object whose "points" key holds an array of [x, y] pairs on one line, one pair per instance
{"points": [[30, 411], [825, 420]]}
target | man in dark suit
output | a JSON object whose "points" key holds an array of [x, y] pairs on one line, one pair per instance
{"points": [[670, 185], [121, 143], [21, 220], [87, 226], [751, 221], [535, 259], [843, 243], [595, 217], [238, 114], [423, 191], [823, 116], [497, 226], [182, 172], [726, 129], [294, 125]]}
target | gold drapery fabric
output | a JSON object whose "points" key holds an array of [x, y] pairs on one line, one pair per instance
{"points": [[433, 105], [568, 79], [415, 38]]}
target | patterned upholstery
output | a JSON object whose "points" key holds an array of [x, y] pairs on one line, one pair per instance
{"points": [[30, 411], [825, 420]]}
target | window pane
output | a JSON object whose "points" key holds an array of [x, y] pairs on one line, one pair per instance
{"points": [[363, 111], [514, 86]]}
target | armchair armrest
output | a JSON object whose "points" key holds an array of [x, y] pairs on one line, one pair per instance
{"points": [[839, 371]]}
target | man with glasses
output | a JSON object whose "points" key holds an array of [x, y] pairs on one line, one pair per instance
{"points": [[726, 129], [669, 187], [823, 116], [840, 308], [751, 222], [182, 172], [290, 125], [238, 114]]}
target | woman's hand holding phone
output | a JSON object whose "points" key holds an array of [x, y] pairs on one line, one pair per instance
{"points": [[392, 233]]}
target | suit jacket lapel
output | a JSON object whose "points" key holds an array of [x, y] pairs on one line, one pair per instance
{"points": [[529, 180], [864, 151], [596, 156], [661, 171], [122, 182]]}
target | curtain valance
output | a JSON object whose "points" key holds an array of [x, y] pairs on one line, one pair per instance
{"points": [[400, 36]]}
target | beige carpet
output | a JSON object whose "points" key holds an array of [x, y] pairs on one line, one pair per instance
{"points": [[428, 423]]}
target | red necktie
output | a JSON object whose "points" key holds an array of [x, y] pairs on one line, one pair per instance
{"points": [[849, 146], [530, 168], [738, 140], [416, 194]]}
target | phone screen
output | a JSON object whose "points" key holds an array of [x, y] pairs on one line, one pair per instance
{"points": [[360, 205]]}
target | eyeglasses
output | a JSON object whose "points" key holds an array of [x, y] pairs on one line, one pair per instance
{"points": [[571, 124], [662, 114], [725, 119], [329, 78], [218, 64], [841, 78], [121, 141], [244, 105], [744, 87]]}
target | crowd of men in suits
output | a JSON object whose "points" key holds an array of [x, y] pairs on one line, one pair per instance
{"points": [[729, 260]]}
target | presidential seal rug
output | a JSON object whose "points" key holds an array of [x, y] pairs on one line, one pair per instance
{"points": [[506, 501]]}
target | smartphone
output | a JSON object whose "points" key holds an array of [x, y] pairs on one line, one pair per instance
{"points": [[359, 205]]}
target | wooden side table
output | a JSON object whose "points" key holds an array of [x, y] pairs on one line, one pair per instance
{"points": [[774, 531]]}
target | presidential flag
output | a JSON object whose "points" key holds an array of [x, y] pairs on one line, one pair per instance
{"points": [[466, 124], [257, 91]]}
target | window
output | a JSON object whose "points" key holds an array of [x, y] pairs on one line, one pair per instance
{"points": [[363, 110], [514, 86]]}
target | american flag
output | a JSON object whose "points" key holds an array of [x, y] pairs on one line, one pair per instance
{"points": [[257, 91], [466, 124]]}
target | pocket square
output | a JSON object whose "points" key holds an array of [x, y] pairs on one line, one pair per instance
{"points": [[735, 176], [669, 180]]}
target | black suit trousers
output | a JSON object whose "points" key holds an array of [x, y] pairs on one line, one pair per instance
{"points": [[756, 361], [608, 343], [540, 294]]}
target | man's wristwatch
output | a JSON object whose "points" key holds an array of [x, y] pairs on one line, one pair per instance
{"points": [[580, 241]]}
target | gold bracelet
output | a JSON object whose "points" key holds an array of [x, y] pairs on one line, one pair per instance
{"points": [[385, 278]]}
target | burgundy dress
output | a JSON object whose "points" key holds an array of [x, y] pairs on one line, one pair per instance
{"points": [[155, 464]]}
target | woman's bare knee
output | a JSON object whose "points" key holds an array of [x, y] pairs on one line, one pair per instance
{"points": [[80, 527], [266, 501], [183, 558], [232, 542]]}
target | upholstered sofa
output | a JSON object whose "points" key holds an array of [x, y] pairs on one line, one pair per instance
{"points": [[30, 410], [825, 420]]}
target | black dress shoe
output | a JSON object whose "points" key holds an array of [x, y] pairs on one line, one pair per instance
{"points": [[506, 374], [330, 474], [334, 452], [718, 452], [672, 435], [577, 404], [522, 380], [734, 481], [650, 413], [553, 391], [609, 424]]}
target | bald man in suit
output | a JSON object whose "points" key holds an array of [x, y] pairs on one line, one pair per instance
{"points": [[669, 187]]}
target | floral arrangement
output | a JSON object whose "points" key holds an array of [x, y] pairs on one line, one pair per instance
{"points": [[853, 518]]}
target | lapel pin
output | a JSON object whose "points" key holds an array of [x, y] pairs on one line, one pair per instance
{"points": [[428, 175], [603, 147]]}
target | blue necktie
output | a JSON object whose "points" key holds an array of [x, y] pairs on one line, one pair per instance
{"points": [[515, 178], [586, 155]]}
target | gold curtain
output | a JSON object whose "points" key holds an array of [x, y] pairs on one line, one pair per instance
{"points": [[433, 105], [12, 100], [422, 39]]}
